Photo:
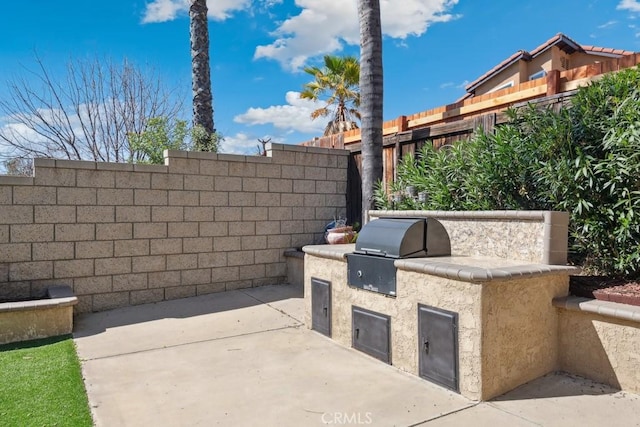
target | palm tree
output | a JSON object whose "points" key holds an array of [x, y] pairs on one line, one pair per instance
{"points": [[338, 80], [371, 91], [200, 74]]}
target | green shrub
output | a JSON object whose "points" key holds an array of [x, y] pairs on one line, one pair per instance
{"points": [[608, 133], [203, 141], [584, 159], [160, 135]]}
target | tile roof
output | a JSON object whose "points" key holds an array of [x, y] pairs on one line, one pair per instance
{"points": [[561, 40], [607, 50]]}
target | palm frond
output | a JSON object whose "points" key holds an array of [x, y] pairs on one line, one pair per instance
{"points": [[338, 82]]}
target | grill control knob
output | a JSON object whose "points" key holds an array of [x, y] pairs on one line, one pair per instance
{"points": [[359, 273]]}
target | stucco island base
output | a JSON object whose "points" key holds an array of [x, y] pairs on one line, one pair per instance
{"points": [[507, 324]]}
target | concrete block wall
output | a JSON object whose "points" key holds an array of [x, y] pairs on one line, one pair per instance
{"points": [[123, 234]]}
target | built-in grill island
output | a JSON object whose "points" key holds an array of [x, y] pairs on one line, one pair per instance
{"points": [[380, 243], [461, 299]]}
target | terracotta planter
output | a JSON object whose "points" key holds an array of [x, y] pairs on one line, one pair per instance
{"points": [[340, 235]]}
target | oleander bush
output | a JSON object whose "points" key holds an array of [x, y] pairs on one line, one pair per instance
{"points": [[584, 159]]}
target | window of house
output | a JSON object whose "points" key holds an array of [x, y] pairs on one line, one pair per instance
{"points": [[538, 75], [503, 86]]}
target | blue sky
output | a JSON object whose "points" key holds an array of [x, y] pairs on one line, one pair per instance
{"points": [[432, 48]]}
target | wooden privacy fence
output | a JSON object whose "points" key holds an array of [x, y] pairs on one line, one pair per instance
{"points": [[458, 121]]}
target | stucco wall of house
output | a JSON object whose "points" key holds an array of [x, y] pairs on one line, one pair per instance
{"points": [[511, 73], [552, 58], [123, 234], [579, 59], [541, 62]]}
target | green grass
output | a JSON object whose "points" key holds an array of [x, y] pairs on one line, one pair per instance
{"points": [[41, 384]]}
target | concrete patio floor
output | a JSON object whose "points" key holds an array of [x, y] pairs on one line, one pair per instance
{"points": [[245, 358]]}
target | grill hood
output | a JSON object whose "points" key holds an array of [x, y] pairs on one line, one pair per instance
{"points": [[403, 238]]}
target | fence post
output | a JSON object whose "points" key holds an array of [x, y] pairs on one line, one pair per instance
{"points": [[403, 125], [553, 82]]}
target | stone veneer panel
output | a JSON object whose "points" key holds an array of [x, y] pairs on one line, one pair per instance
{"points": [[532, 236], [122, 234]]}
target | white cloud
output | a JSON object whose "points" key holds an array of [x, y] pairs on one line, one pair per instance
{"points": [[243, 143], [630, 5], [168, 10], [163, 10], [266, 4], [240, 143], [448, 85], [19, 132], [608, 24], [295, 115], [323, 26]]}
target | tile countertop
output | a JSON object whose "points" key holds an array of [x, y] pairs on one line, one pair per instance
{"points": [[458, 267], [337, 252]]}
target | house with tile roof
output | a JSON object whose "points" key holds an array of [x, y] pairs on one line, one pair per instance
{"points": [[558, 53]]}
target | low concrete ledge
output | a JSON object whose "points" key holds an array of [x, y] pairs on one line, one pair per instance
{"points": [[41, 304], [600, 340], [29, 320], [294, 253], [295, 266], [604, 308], [463, 271]]}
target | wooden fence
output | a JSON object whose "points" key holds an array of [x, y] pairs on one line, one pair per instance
{"points": [[458, 121]]}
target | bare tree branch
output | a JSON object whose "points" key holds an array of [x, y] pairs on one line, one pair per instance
{"points": [[86, 115]]}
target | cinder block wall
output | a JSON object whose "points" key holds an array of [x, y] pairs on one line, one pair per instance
{"points": [[123, 234]]}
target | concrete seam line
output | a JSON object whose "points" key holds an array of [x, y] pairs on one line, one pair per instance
{"points": [[190, 343], [269, 305], [455, 411]]}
